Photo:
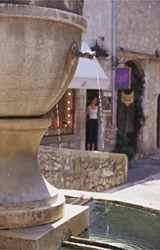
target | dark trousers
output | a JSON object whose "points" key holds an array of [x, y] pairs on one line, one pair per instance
{"points": [[92, 131]]}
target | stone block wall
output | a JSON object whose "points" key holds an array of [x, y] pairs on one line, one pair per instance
{"points": [[82, 170]]}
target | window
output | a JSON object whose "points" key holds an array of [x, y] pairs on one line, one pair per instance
{"points": [[63, 115]]}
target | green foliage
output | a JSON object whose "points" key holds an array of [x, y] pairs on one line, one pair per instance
{"points": [[127, 141], [123, 146], [138, 85]]}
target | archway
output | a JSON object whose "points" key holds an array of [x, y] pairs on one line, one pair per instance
{"points": [[130, 118]]}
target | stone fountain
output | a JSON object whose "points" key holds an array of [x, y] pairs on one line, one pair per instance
{"points": [[37, 63]]}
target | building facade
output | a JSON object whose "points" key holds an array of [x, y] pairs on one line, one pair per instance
{"points": [[138, 45]]}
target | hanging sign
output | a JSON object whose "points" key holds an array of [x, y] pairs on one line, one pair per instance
{"points": [[123, 78], [127, 99]]}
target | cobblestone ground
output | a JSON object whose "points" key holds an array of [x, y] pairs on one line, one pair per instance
{"points": [[142, 169]]}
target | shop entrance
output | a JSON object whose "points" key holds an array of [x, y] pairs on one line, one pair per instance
{"points": [[91, 94]]}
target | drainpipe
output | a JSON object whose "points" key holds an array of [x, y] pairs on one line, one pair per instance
{"points": [[114, 62]]}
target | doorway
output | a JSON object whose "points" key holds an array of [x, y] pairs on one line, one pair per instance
{"points": [[91, 93], [130, 116]]}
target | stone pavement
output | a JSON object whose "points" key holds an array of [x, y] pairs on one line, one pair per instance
{"points": [[141, 190], [143, 185], [142, 169]]}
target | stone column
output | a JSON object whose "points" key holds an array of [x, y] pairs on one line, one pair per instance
{"points": [[26, 198], [37, 63]]}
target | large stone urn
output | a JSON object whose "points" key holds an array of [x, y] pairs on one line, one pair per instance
{"points": [[36, 66]]}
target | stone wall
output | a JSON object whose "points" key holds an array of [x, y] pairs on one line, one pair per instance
{"points": [[138, 23], [82, 170], [152, 91], [98, 15]]}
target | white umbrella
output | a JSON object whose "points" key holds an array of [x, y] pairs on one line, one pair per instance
{"points": [[89, 74]]}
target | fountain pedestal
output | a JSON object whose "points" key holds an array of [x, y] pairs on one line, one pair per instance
{"points": [[46, 237], [26, 198], [36, 64]]}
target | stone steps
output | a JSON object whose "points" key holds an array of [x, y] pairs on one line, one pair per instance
{"points": [[87, 244]]}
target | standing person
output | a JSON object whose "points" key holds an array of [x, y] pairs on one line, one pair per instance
{"points": [[92, 124]]}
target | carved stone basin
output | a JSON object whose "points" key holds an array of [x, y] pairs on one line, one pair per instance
{"points": [[36, 65], [36, 62], [74, 6]]}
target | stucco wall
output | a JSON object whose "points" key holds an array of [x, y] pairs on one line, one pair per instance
{"points": [[138, 23], [82, 170], [152, 90], [98, 15]]}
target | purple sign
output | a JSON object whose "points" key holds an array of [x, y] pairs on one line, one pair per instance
{"points": [[123, 78]]}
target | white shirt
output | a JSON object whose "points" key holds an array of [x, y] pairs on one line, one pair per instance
{"points": [[93, 112]]}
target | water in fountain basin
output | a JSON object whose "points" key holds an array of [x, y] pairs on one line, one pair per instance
{"points": [[128, 227], [59, 129], [100, 108]]}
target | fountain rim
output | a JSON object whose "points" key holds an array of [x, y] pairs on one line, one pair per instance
{"points": [[24, 123], [42, 13]]}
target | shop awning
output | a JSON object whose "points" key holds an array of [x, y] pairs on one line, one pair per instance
{"points": [[89, 74]]}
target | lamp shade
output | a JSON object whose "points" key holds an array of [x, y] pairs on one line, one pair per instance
{"points": [[89, 74]]}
